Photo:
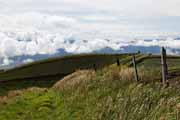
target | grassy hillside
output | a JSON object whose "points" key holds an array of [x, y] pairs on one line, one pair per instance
{"points": [[61, 66], [107, 94]]}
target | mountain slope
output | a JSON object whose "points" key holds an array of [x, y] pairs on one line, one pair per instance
{"points": [[61, 66]]}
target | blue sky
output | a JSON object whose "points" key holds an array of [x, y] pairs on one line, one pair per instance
{"points": [[42, 27]]}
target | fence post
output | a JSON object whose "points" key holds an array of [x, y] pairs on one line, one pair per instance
{"points": [[135, 69], [118, 63], [94, 66], [164, 67]]}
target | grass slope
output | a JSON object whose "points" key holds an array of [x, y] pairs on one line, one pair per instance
{"points": [[60, 66], [108, 94]]}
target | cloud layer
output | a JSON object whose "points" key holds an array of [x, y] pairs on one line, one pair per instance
{"points": [[122, 7], [38, 27], [32, 34]]}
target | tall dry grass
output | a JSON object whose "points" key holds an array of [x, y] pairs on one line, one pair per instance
{"points": [[123, 73], [75, 79]]}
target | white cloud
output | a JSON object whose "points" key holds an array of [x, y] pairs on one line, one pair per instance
{"points": [[6, 61], [99, 18], [27, 61], [125, 7], [172, 52], [36, 33], [31, 27], [169, 43]]}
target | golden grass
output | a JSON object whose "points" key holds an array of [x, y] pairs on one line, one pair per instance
{"points": [[81, 77], [127, 74], [122, 74], [73, 80], [14, 93]]}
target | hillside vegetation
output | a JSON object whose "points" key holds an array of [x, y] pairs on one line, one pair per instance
{"points": [[110, 93], [60, 66]]}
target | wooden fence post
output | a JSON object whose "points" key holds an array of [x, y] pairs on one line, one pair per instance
{"points": [[94, 66], [118, 63], [135, 69], [164, 67]]}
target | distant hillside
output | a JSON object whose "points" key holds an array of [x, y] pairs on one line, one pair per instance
{"points": [[61, 65]]}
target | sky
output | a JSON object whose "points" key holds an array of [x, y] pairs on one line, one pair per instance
{"points": [[42, 27], [121, 7]]}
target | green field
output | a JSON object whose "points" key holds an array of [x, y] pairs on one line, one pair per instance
{"points": [[110, 93]]}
